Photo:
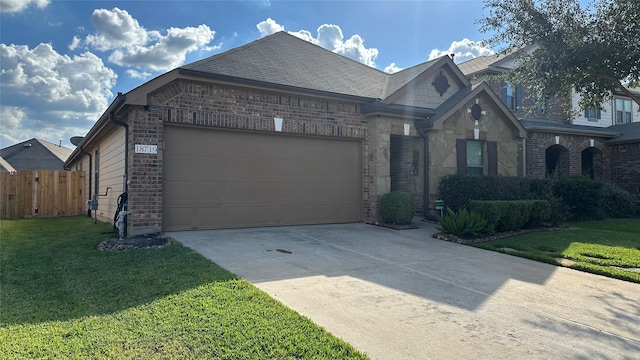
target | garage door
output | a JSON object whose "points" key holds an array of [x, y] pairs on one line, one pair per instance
{"points": [[225, 179]]}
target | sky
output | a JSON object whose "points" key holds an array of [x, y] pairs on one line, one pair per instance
{"points": [[63, 62]]}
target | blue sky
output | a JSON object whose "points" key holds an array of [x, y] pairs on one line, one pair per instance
{"points": [[62, 62]]}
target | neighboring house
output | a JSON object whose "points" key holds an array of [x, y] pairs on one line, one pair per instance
{"points": [[281, 132], [34, 154], [601, 143]]}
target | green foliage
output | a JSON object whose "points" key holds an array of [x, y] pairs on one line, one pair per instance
{"points": [[458, 190], [582, 195], [463, 223], [512, 215], [397, 208], [606, 247], [577, 47], [63, 299], [617, 203]]}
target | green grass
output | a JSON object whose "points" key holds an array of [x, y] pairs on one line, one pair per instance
{"points": [[607, 247], [61, 298]]}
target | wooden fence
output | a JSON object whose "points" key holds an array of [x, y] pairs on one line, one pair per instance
{"points": [[41, 193]]}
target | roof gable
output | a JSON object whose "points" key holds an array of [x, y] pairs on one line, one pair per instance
{"points": [[455, 102], [422, 76]]}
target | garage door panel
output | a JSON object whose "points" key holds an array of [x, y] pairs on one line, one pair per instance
{"points": [[238, 179]]}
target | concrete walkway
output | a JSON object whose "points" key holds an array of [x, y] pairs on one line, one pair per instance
{"points": [[404, 295]]}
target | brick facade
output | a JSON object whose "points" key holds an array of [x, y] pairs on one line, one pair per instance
{"points": [[211, 105], [624, 166]]}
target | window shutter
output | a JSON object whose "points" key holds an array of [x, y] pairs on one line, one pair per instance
{"points": [[586, 113], [518, 91], [598, 114], [504, 92], [461, 156], [547, 107], [492, 157]]}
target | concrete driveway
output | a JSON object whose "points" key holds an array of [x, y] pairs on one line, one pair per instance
{"points": [[404, 295]]}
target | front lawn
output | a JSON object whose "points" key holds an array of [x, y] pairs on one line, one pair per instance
{"points": [[62, 298], [607, 247]]}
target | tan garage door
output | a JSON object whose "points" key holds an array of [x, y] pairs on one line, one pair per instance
{"points": [[225, 179]]}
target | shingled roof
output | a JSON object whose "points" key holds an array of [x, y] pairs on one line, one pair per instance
{"points": [[285, 60], [36, 154]]}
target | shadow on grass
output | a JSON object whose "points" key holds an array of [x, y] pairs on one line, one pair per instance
{"points": [[50, 270]]}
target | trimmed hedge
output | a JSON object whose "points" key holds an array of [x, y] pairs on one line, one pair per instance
{"points": [[397, 208], [582, 195], [617, 203], [458, 190], [514, 215]]}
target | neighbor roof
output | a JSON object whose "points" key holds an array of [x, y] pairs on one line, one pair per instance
{"points": [[5, 166], [36, 154], [625, 133]]}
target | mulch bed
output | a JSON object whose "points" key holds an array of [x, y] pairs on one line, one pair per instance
{"points": [[147, 241], [502, 235], [395, 226]]}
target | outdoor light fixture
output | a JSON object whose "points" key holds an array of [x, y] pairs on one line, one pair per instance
{"points": [[278, 124], [592, 142], [407, 129], [557, 139]]}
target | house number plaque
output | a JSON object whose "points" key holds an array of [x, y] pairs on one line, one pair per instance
{"points": [[146, 149]]}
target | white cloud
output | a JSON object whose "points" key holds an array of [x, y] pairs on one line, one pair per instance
{"points": [[392, 68], [135, 74], [464, 50], [330, 37], [49, 95], [74, 43], [268, 27], [133, 46], [9, 6]]}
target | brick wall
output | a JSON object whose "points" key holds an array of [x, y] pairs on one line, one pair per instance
{"points": [[570, 148], [624, 166], [221, 106]]}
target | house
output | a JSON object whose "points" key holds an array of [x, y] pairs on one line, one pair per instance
{"points": [[281, 132], [33, 154], [601, 143]]}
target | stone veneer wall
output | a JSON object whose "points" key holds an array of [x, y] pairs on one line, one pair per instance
{"points": [[222, 106]]}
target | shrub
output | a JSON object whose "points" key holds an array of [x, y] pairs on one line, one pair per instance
{"points": [[504, 215], [540, 213], [617, 203], [463, 223], [582, 195], [458, 190], [397, 208]]}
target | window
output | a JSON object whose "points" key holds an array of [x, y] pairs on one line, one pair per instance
{"points": [[592, 114], [477, 157], [512, 96], [543, 106], [623, 111]]}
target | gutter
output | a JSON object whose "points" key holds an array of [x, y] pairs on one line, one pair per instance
{"points": [[121, 100], [90, 176], [559, 130]]}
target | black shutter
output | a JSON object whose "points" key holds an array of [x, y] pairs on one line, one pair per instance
{"points": [[492, 157], [598, 114], [504, 93], [518, 95], [461, 155]]}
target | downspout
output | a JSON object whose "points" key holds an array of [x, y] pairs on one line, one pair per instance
{"points": [[112, 118], [425, 182], [90, 177]]}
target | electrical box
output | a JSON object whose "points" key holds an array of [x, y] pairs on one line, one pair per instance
{"points": [[93, 203]]}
